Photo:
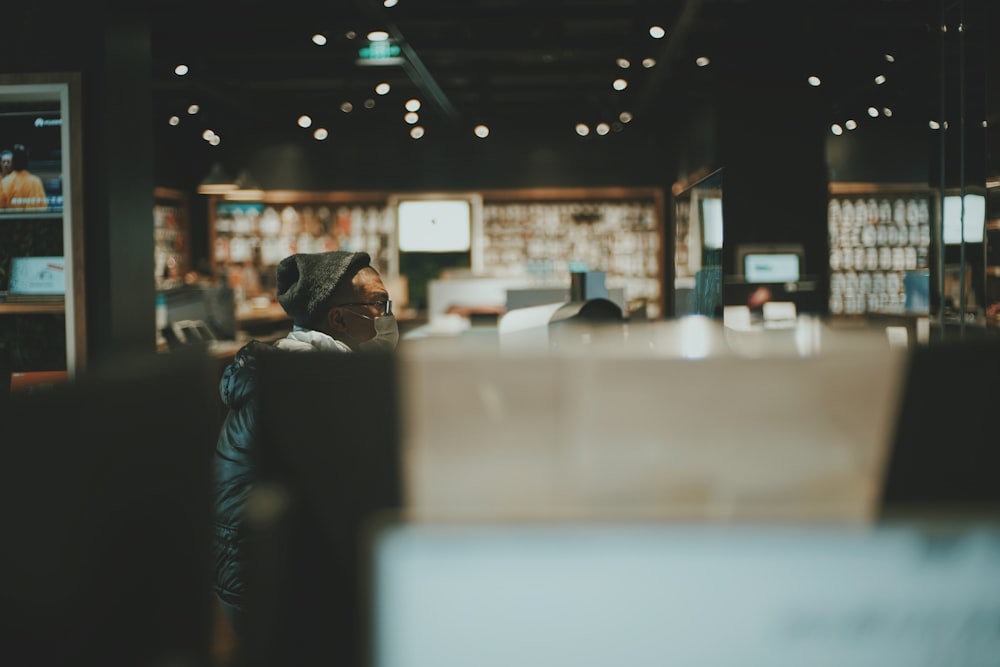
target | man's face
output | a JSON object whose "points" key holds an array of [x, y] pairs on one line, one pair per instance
{"points": [[359, 320], [5, 164]]}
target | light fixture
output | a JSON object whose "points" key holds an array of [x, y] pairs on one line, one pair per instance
{"points": [[247, 188], [217, 181]]}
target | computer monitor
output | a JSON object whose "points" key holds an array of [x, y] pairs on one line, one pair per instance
{"points": [[770, 263], [200, 314]]}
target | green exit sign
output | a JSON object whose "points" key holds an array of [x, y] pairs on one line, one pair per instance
{"points": [[378, 50]]}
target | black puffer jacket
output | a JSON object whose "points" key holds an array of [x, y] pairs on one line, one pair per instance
{"points": [[235, 470]]}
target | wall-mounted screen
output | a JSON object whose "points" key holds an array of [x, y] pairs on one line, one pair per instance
{"points": [[975, 219], [435, 225], [31, 157], [711, 216]]}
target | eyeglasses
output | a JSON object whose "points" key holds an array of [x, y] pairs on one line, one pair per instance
{"points": [[383, 307]]}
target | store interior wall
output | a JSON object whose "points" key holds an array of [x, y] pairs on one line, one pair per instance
{"points": [[124, 159]]}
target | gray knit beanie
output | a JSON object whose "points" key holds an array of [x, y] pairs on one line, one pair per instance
{"points": [[306, 281]]}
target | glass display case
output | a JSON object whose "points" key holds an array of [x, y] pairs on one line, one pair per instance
{"points": [[42, 298]]}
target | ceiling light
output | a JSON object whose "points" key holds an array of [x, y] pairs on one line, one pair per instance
{"points": [[815, 81], [412, 104], [603, 128], [649, 63], [319, 39], [193, 109], [377, 36], [304, 121], [619, 84], [411, 117], [383, 88], [889, 58], [851, 124], [873, 112], [481, 131], [582, 129], [346, 107], [836, 129], [215, 140], [934, 125], [880, 79], [625, 117], [369, 103], [887, 112], [623, 63], [216, 181], [174, 120], [181, 70], [416, 132], [656, 32], [207, 135], [389, 3], [702, 61], [320, 133]]}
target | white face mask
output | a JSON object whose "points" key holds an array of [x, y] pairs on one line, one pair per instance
{"points": [[386, 335]]}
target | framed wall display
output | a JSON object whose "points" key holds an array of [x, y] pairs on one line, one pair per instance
{"points": [[41, 224]]}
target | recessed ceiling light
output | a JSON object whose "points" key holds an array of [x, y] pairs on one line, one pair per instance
{"points": [[481, 131], [320, 133], [411, 117], [582, 129], [304, 121], [412, 104], [416, 132], [319, 39], [383, 88], [619, 84], [815, 81], [181, 70], [657, 32], [193, 109], [378, 36]]}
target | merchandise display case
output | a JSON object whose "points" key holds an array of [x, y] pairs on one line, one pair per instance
{"points": [[171, 238], [541, 235], [880, 240], [42, 297]]}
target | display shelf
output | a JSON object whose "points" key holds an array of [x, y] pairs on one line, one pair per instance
{"points": [[539, 234], [28, 308], [171, 238], [879, 248], [41, 111]]}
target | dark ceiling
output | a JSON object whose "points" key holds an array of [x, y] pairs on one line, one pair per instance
{"points": [[542, 64]]}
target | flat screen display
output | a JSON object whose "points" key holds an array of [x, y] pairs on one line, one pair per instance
{"points": [[975, 219], [711, 213], [779, 267], [435, 225], [33, 130]]}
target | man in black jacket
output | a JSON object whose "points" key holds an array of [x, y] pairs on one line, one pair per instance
{"points": [[338, 303]]}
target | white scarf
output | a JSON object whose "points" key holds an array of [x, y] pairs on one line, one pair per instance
{"points": [[307, 340]]}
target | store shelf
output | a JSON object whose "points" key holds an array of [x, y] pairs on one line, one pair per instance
{"points": [[29, 308]]}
